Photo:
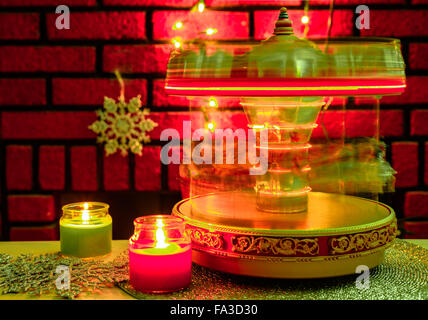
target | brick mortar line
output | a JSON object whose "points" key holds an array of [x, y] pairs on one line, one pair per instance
{"points": [[126, 75], [49, 90], [32, 192], [42, 28], [415, 219], [149, 94], [409, 189], [355, 31], [418, 139], [185, 109], [406, 124], [18, 224], [99, 59], [92, 43], [405, 54], [164, 177], [251, 25], [88, 108], [100, 74], [149, 24], [40, 75], [156, 142], [69, 143], [50, 142], [237, 8]]}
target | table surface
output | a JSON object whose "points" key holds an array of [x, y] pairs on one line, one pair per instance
{"points": [[42, 247]]}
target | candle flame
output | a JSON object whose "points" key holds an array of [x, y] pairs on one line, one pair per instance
{"points": [[85, 213], [160, 235]]}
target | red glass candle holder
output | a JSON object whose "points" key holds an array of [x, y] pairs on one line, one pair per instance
{"points": [[160, 255]]}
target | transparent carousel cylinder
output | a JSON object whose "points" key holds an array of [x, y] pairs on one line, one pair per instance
{"points": [[289, 120], [284, 187]]}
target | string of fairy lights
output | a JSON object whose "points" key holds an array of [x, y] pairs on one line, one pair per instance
{"points": [[179, 25], [200, 7]]}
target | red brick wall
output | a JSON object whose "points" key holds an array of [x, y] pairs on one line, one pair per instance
{"points": [[51, 81]]}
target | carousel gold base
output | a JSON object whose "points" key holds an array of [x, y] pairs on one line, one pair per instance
{"points": [[287, 268], [335, 235]]}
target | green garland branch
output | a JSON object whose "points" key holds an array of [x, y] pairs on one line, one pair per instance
{"points": [[36, 275]]}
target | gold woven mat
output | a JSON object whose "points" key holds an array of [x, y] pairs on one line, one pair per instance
{"points": [[402, 275]]}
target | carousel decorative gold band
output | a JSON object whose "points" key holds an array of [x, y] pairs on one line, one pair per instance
{"points": [[363, 241], [276, 246], [289, 246], [288, 259], [206, 239]]}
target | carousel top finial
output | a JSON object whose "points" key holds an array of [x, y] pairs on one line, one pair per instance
{"points": [[283, 13], [283, 26]]}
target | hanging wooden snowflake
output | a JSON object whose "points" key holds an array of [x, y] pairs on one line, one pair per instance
{"points": [[123, 126]]}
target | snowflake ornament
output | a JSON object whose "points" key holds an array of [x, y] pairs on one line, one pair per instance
{"points": [[123, 126]]}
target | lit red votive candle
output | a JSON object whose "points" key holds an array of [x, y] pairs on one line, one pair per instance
{"points": [[160, 255]]}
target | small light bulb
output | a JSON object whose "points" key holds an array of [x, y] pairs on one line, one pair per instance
{"points": [[212, 102], [177, 42], [211, 126], [305, 19], [211, 31], [201, 7], [178, 25]]}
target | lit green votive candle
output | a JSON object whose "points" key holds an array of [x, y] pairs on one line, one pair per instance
{"points": [[85, 229]]}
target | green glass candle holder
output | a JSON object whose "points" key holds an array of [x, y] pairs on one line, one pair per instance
{"points": [[85, 229]]}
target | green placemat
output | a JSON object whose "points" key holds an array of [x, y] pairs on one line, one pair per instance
{"points": [[402, 275]]}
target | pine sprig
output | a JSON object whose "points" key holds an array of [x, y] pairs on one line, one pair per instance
{"points": [[36, 275]]}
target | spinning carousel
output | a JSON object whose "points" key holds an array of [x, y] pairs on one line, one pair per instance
{"points": [[301, 217]]}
